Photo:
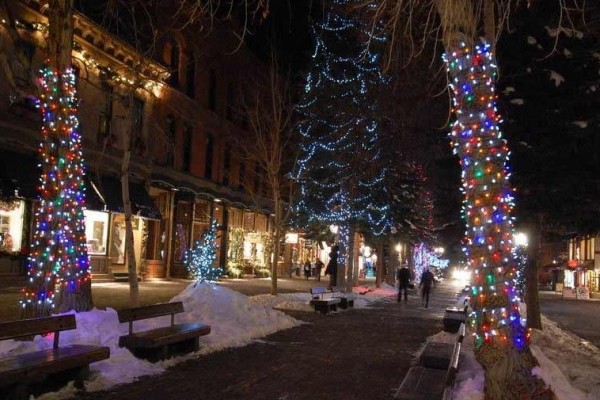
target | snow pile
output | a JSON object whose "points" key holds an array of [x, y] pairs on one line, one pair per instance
{"points": [[288, 301], [568, 364], [234, 321], [301, 301]]}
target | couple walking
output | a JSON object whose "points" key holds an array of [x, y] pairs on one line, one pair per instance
{"points": [[426, 283]]}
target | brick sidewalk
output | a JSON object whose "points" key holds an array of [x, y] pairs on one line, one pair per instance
{"points": [[355, 354]]}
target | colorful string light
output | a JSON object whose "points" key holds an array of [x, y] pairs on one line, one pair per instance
{"points": [[488, 199], [58, 264]]}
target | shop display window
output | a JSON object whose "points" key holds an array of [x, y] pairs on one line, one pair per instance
{"points": [[96, 231], [248, 221], [236, 217], [260, 223], [183, 214], [201, 219], [11, 225]]}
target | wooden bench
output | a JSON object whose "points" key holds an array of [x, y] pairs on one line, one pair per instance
{"points": [[453, 318], [323, 300], [44, 370], [427, 383], [164, 342], [347, 299]]}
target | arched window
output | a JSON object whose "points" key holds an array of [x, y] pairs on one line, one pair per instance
{"points": [[190, 76], [187, 148], [171, 55], [212, 90], [209, 156]]}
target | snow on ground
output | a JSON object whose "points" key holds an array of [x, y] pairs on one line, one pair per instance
{"points": [[567, 363]]}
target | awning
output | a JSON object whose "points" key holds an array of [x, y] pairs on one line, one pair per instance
{"points": [[109, 188]]}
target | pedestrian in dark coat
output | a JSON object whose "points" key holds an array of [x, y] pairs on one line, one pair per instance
{"points": [[426, 283], [332, 266], [403, 283], [307, 269], [318, 267]]}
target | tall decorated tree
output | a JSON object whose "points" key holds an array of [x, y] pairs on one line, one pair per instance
{"points": [[339, 170], [200, 261], [468, 30], [58, 268]]}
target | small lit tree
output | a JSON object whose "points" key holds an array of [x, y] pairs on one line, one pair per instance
{"points": [[201, 259]]}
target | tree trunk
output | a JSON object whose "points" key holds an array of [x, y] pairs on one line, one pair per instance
{"points": [[380, 262], [532, 297], [134, 296], [350, 261], [501, 342], [390, 267], [356, 259], [276, 239], [73, 296]]}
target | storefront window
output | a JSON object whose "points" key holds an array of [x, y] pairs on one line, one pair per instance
{"points": [[236, 217], [260, 223], [96, 231], [183, 219], [11, 225], [248, 221], [201, 219], [218, 213]]}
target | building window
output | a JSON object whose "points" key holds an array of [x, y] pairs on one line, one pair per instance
{"points": [[256, 185], [190, 77], [96, 231], [172, 55], [11, 225], [187, 148], [226, 165], [183, 221], [242, 176], [157, 230], [171, 132], [201, 219], [209, 157], [139, 144], [230, 102], [105, 116], [212, 90]]}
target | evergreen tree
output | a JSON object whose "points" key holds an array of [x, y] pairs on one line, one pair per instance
{"points": [[201, 259], [339, 168]]}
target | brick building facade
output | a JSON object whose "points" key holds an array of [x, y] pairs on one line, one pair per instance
{"points": [[178, 111]]}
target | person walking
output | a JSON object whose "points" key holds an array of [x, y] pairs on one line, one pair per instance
{"points": [[307, 269], [426, 283], [332, 266], [403, 283], [318, 267]]}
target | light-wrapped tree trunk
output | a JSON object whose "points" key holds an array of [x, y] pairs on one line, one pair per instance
{"points": [[501, 338]]}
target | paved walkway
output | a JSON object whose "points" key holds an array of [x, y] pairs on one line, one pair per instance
{"points": [[355, 354]]}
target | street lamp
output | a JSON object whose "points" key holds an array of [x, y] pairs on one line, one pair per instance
{"points": [[520, 239]]}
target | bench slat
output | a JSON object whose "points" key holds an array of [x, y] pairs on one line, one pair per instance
{"points": [[156, 310], [333, 300], [36, 326], [422, 383], [31, 367], [163, 336]]}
